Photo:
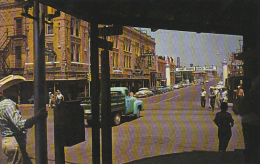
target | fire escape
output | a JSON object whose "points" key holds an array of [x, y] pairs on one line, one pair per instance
{"points": [[11, 44], [5, 51]]}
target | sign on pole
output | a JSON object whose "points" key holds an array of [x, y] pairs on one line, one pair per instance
{"points": [[108, 31], [102, 43]]}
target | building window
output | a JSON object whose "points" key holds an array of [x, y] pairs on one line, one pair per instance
{"points": [[115, 59], [137, 49], [116, 41], [127, 45], [18, 56], [77, 53], [72, 26], [51, 54], [50, 27], [72, 52], [127, 61], [19, 26], [77, 28]]}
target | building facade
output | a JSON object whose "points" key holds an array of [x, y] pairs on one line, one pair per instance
{"points": [[133, 60]]}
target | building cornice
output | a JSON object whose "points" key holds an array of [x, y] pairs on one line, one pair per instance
{"points": [[5, 6]]}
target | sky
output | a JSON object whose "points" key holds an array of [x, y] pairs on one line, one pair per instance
{"points": [[196, 48]]}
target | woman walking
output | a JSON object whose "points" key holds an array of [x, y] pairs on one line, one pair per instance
{"points": [[224, 121]]}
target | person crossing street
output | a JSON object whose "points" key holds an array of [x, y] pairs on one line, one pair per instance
{"points": [[212, 97], [203, 97]]}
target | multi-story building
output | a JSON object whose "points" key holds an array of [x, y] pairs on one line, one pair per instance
{"points": [[133, 62], [161, 73]]}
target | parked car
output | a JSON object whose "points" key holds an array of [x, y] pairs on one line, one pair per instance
{"points": [[176, 86], [143, 92], [162, 88], [169, 88], [181, 85], [155, 91], [121, 105]]}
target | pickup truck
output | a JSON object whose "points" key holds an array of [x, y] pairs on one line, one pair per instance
{"points": [[122, 104]]}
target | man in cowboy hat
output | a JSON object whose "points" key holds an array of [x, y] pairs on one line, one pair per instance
{"points": [[13, 126]]}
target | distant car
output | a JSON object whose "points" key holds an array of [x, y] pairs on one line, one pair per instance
{"points": [[143, 92], [162, 88], [206, 81], [176, 86]]}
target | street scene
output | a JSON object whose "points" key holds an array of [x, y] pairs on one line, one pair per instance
{"points": [[172, 123], [129, 82]]}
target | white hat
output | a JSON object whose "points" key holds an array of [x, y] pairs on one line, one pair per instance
{"points": [[10, 80]]}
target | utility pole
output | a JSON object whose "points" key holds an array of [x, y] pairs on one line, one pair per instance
{"points": [[39, 81]]}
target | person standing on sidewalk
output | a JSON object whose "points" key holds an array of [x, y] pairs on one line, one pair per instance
{"points": [[203, 97], [224, 121], [59, 97], [13, 126]]}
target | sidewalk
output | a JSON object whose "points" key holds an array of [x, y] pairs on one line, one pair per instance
{"points": [[195, 157]]}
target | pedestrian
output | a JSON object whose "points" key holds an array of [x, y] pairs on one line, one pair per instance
{"points": [[50, 99], [218, 99], [239, 92], [31, 100], [224, 121], [203, 97], [212, 98], [13, 126], [59, 97], [224, 95]]}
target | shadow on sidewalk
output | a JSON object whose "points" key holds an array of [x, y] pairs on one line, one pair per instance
{"points": [[195, 157]]}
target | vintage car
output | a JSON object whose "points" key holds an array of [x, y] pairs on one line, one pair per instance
{"points": [[144, 92], [122, 104]]}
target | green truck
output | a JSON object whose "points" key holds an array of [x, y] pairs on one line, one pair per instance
{"points": [[122, 104]]}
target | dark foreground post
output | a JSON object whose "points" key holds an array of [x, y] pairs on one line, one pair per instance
{"points": [[95, 91], [106, 109], [39, 83]]}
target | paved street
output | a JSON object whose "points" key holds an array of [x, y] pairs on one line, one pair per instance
{"points": [[172, 129]]}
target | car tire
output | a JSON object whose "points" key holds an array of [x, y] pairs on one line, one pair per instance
{"points": [[117, 118]]}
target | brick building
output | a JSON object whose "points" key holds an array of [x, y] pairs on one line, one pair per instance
{"points": [[133, 61]]}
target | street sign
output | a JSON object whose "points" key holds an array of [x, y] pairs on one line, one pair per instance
{"points": [[102, 43], [108, 31]]}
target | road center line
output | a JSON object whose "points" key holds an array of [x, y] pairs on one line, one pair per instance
{"points": [[167, 99]]}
